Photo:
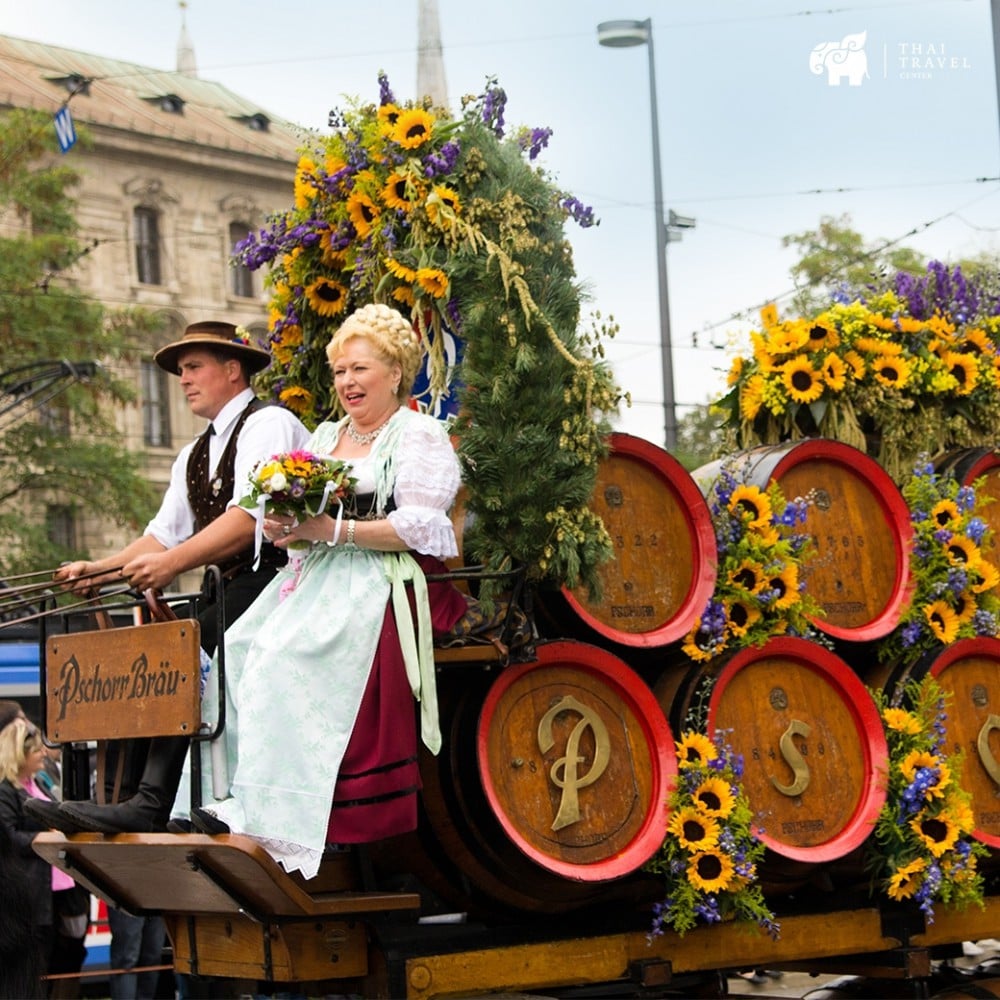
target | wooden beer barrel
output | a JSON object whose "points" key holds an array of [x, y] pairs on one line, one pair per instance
{"points": [[663, 570], [576, 761], [812, 741], [969, 673], [488, 841], [859, 572], [967, 465]]}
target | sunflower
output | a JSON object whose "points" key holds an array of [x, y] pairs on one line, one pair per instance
{"points": [[786, 585], [327, 297], [962, 551], [944, 512], [769, 315], [443, 205], [803, 382], [989, 576], [917, 759], [890, 371], [905, 882], [942, 620], [694, 830], [363, 212], [735, 370], [433, 281], [751, 503], [937, 833], [400, 270], [701, 647], [711, 871], [331, 255], [856, 364], [388, 117], [401, 193], [965, 607], [405, 295], [748, 576], [741, 616], [714, 797], [788, 338], [413, 128], [297, 398], [902, 721], [694, 750], [304, 186], [975, 341], [821, 333], [752, 396], [834, 371], [963, 370]]}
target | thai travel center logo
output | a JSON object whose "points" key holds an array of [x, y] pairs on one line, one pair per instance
{"points": [[855, 59]]}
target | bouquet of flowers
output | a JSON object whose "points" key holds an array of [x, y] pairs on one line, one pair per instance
{"points": [[759, 590], [297, 483], [954, 589], [920, 848], [710, 854], [908, 366]]}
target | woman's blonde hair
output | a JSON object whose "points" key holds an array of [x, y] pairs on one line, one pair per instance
{"points": [[17, 740], [391, 335]]}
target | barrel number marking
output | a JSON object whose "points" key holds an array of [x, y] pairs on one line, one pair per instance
{"points": [[794, 759], [983, 746], [564, 773]]}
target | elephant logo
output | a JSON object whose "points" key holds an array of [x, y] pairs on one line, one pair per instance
{"points": [[845, 58]]}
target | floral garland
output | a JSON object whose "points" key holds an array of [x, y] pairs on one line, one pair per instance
{"points": [[710, 854], [759, 590], [912, 366], [450, 221], [920, 848], [954, 584]]}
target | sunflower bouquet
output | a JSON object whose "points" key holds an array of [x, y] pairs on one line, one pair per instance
{"points": [[452, 220], [954, 583], [709, 856], [920, 848], [909, 366], [297, 483], [759, 589]]}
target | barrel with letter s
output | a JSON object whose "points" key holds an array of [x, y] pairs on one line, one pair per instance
{"points": [[662, 571], [812, 742], [968, 672], [859, 571]]}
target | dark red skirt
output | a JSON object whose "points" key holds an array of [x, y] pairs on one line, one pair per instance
{"points": [[376, 791]]}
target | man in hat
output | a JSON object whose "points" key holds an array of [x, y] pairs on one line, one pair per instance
{"points": [[199, 523]]}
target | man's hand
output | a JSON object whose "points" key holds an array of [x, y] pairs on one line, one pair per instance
{"points": [[70, 574], [150, 571]]}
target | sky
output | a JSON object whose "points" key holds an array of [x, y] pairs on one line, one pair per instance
{"points": [[754, 145]]}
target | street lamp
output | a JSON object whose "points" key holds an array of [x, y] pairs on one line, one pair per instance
{"points": [[625, 34]]}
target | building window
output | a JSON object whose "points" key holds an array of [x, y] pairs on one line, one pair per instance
{"points": [[60, 527], [242, 276], [154, 392], [147, 245]]}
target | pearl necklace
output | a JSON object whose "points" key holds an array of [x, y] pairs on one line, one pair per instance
{"points": [[358, 438]]}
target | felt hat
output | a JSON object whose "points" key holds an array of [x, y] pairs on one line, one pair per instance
{"points": [[217, 336]]}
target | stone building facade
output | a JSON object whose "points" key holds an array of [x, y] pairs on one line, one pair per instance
{"points": [[180, 169]]}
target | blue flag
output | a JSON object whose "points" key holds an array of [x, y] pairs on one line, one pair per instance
{"points": [[65, 132]]}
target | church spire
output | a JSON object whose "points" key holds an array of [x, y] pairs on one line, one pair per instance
{"points": [[186, 64], [430, 61]]}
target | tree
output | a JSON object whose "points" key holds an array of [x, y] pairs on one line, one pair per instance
{"points": [[700, 437], [60, 452], [834, 256]]}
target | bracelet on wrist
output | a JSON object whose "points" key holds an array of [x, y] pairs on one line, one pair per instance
{"points": [[350, 532]]}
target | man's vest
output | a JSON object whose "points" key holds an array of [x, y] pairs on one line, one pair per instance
{"points": [[208, 500]]}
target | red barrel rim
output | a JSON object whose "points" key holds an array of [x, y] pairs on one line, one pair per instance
{"points": [[699, 520], [894, 509], [867, 720], [971, 463], [980, 646], [659, 739]]}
